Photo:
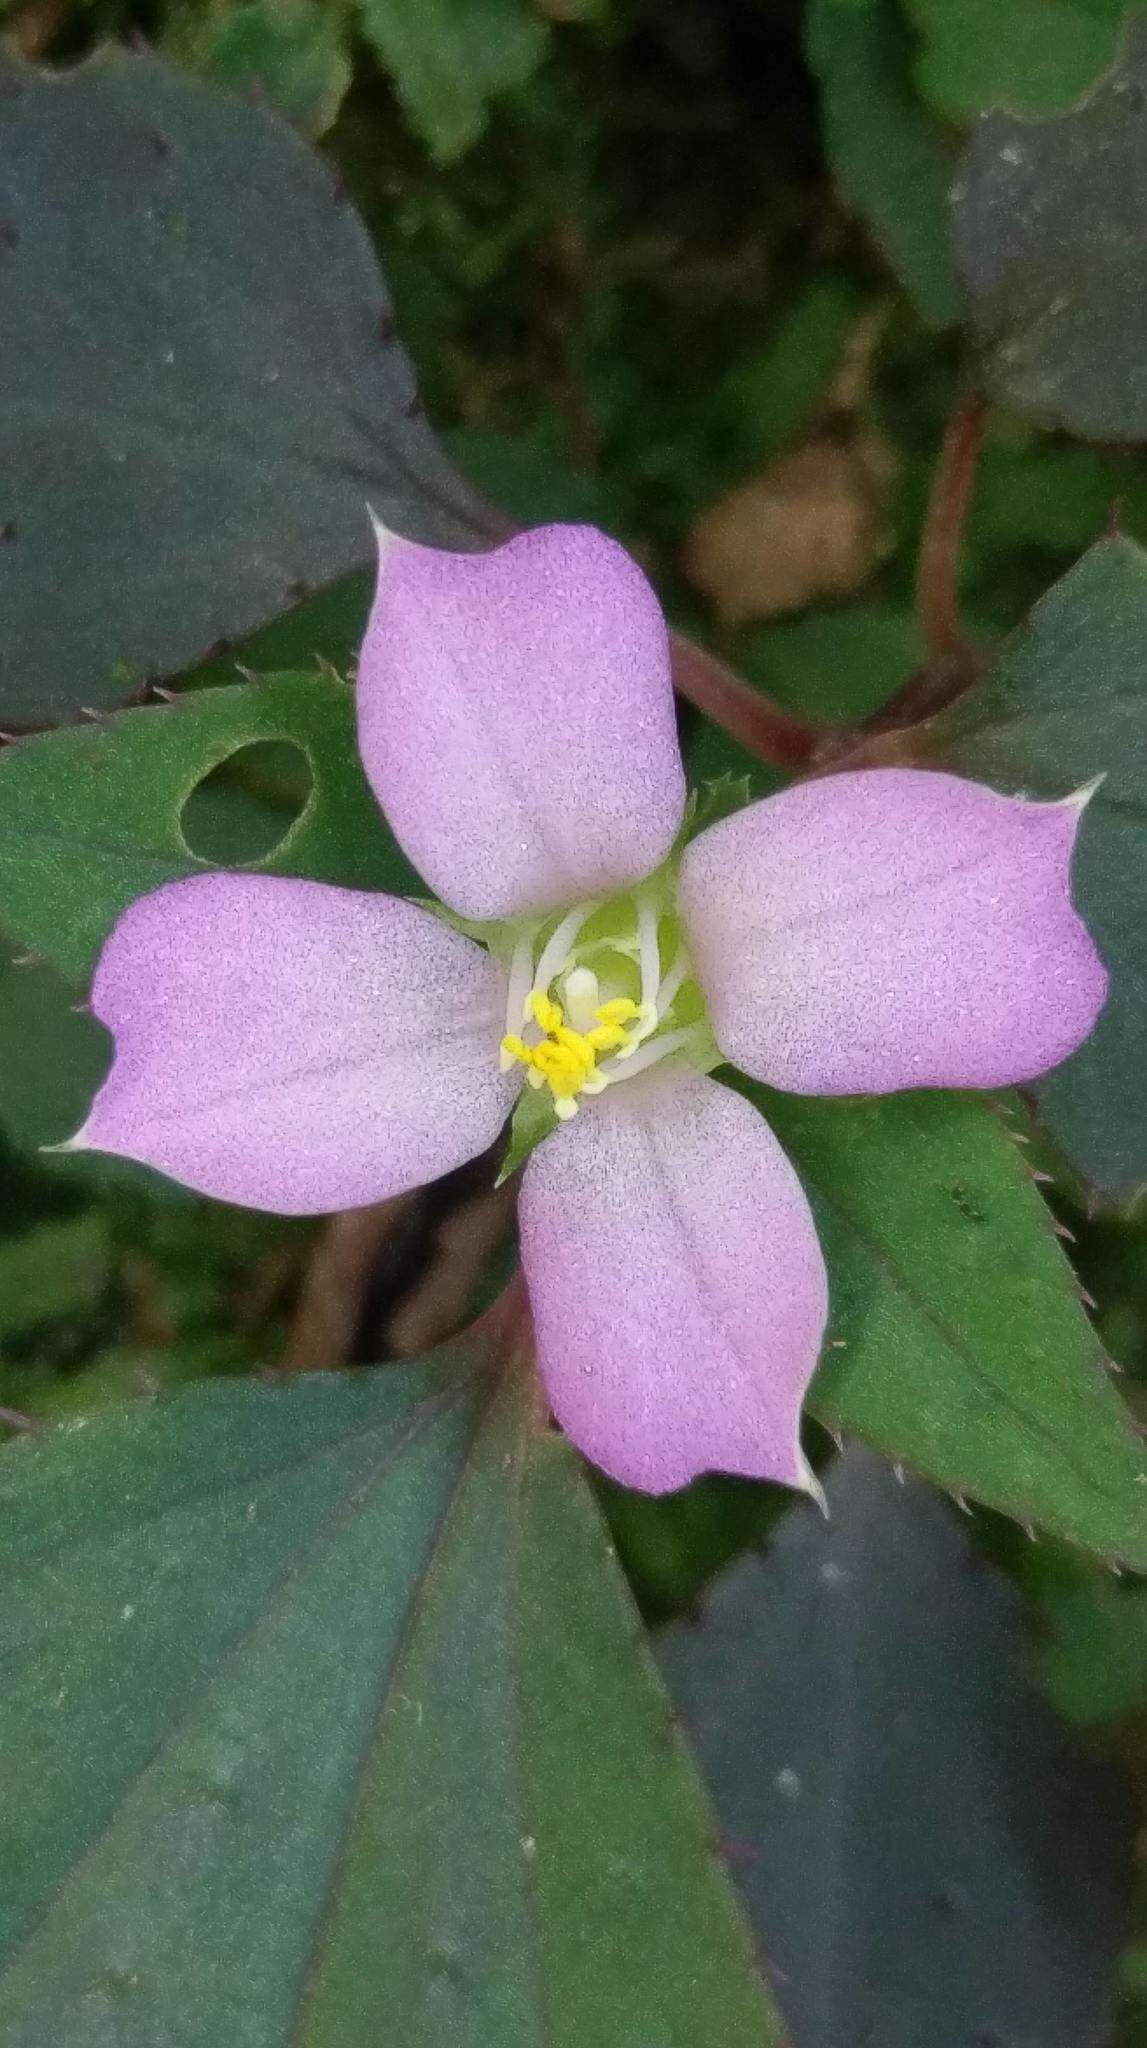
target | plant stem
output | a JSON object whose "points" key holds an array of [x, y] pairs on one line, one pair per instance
{"points": [[938, 568], [761, 727]]}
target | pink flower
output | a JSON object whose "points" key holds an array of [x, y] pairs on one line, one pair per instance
{"points": [[302, 1048]]}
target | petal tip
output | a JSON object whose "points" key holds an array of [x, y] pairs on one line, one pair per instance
{"points": [[807, 1482], [384, 539], [1080, 798], [79, 1142]]}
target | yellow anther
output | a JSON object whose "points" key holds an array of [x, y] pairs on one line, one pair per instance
{"points": [[621, 1010], [605, 1038], [547, 1015], [517, 1049], [578, 1047], [562, 1067], [565, 1061]]}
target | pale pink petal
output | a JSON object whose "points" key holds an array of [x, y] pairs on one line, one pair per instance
{"points": [[516, 719], [888, 929], [677, 1286], [295, 1047]]}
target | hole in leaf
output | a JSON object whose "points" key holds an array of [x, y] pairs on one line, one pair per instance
{"points": [[245, 807]]}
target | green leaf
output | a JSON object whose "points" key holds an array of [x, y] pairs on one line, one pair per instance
{"points": [[770, 395], [835, 666], [293, 52], [450, 59], [1092, 1640], [333, 1722], [929, 1859], [708, 802], [328, 625], [892, 163], [533, 1118], [54, 1271], [51, 1058], [207, 453], [531, 477], [1067, 701], [1051, 241], [957, 1342], [1030, 56], [91, 815]]}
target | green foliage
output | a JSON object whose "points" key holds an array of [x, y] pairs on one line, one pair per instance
{"points": [[1049, 238], [927, 1856], [770, 394], [634, 267], [1092, 1640], [892, 162], [333, 1719], [52, 1058], [211, 446], [957, 1341], [293, 52], [833, 667], [451, 58], [55, 1271], [1068, 701], [1031, 57], [91, 815]]}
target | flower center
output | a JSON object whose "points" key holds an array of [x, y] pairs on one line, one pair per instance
{"points": [[593, 1006]]}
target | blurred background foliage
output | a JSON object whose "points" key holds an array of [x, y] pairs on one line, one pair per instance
{"points": [[680, 267]]}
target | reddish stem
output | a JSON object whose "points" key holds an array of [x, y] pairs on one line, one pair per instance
{"points": [[761, 726], [938, 569]]}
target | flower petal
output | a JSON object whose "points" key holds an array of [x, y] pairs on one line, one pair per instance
{"points": [[516, 719], [296, 1047], [892, 928], [677, 1286]]}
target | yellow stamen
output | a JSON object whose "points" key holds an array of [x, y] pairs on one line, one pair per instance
{"points": [[566, 1060], [605, 1038], [622, 1010], [547, 1015], [517, 1049]]}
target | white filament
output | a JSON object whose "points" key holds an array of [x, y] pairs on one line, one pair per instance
{"points": [[671, 986], [648, 953], [648, 1056], [521, 977], [556, 950]]}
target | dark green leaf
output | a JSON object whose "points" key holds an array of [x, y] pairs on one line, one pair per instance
{"points": [[327, 625], [51, 1058], [202, 385], [1092, 1639], [928, 1857], [53, 1271], [1068, 701], [292, 52], [770, 395], [450, 58], [834, 666], [530, 476], [333, 1723], [1051, 240], [1030, 56], [891, 161], [91, 816], [957, 1341]]}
